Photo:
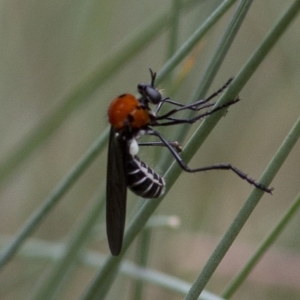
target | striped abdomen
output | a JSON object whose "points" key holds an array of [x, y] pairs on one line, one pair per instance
{"points": [[142, 180]]}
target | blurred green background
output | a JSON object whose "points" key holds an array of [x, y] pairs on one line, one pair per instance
{"points": [[49, 46]]}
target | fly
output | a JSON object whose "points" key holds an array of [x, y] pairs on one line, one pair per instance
{"points": [[130, 119]]}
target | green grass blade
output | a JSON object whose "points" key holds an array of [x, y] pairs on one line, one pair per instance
{"points": [[238, 280], [79, 237], [174, 28], [185, 49], [222, 49], [244, 213], [46, 251], [57, 193]]}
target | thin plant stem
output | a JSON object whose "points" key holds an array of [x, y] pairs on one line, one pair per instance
{"points": [[238, 280], [58, 192], [72, 250], [244, 213], [49, 251], [183, 51]]}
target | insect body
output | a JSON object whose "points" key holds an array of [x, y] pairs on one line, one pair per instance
{"points": [[130, 119], [142, 180]]}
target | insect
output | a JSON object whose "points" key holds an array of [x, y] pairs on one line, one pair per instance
{"points": [[130, 119]]}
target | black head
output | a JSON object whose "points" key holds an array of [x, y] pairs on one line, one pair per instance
{"points": [[149, 91]]}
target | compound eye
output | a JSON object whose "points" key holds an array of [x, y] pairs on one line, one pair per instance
{"points": [[153, 94]]}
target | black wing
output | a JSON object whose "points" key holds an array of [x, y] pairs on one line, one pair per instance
{"points": [[116, 192]]}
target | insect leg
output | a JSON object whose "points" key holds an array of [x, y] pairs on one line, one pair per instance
{"points": [[192, 106], [173, 121], [222, 166], [173, 144]]}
